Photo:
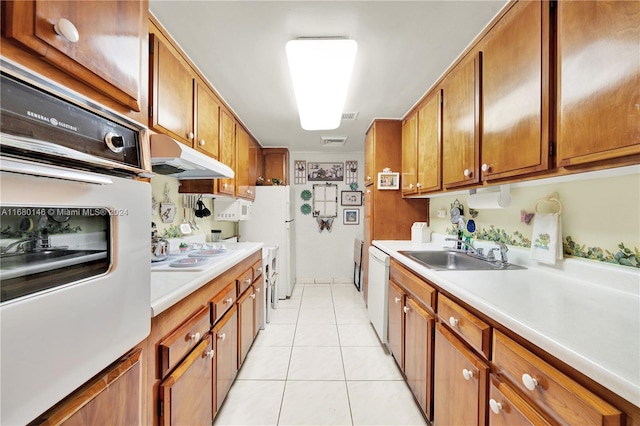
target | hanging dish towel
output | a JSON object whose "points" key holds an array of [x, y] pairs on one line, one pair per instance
{"points": [[546, 240]]}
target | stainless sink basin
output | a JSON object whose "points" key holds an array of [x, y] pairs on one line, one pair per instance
{"points": [[456, 261]]}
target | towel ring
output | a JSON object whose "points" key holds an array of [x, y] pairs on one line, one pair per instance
{"points": [[549, 200]]}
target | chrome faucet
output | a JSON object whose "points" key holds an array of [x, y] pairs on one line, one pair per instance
{"points": [[503, 252], [470, 248], [19, 243], [27, 244]]}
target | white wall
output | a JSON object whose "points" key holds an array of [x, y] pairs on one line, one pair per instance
{"points": [[325, 256]]}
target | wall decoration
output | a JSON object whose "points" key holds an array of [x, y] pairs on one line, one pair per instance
{"points": [[353, 186], [325, 200], [351, 198], [325, 224], [351, 172], [299, 172], [167, 208], [351, 217], [325, 171], [389, 180], [305, 209], [305, 195]]}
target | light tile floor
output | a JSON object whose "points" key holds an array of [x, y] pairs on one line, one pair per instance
{"points": [[319, 361]]}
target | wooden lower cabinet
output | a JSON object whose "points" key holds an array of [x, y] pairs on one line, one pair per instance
{"points": [[506, 407], [246, 323], [113, 397], [186, 395], [396, 332], [460, 382], [418, 354], [225, 334]]}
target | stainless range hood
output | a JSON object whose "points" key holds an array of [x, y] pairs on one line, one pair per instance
{"points": [[172, 158]]}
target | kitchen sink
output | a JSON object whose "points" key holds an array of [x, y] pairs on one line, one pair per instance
{"points": [[456, 261]]}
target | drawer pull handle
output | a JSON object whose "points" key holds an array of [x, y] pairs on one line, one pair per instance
{"points": [[247, 281], [410, 186], [257, 290], [406, 309], [228, 301], [486, 167], [529, 382], [496, 407], [397, 299], [253, 295], [194, 337], [418, 185], [222, 336], [467, 374], [453, 321], [258, 271], [209, 354]]}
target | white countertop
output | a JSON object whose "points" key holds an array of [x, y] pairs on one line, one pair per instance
{"points": [[169, 286], [583, 312]]}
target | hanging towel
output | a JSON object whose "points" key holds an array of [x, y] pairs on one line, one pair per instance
{"points": [[546, 240]]}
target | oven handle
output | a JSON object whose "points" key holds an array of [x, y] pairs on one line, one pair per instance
{"points": [[29, 168]]}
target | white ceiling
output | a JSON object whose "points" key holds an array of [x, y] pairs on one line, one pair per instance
{"points": [[403, 48]]}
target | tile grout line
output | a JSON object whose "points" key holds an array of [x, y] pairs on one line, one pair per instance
{"points": [[344, 371]]}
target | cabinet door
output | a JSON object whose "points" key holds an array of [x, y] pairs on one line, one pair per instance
{"points": [[246, 320], [243, 141], [460, 382], [276, 165], [409, 155], [227, 150], [515, 92], [186, 394], [172, 92], [598, 64], [107, 56], [418, 354], [113, 397], [460, 136], [429, 144], [206, 116], [225, 334], [396, 330], [260, 305], [369, 155]]}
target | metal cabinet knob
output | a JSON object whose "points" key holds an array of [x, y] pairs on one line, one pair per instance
{"points": [[418, 185], [397, 299], [190, 135], [66, 29], [253, 295], [228, 301]]}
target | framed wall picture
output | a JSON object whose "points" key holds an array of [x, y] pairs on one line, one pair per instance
{"points": [[325, 171], [389, 180], [351, 217], [351, 198]]}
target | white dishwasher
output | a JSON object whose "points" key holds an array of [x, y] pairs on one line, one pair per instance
{"points": [[378, 291]]}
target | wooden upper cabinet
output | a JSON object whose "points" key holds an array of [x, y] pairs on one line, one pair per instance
{"points": [[108, 53], [276, 165], [172, 92], [206, 116], [243, 184], [409, 155], [598, 69], [227, 150], [515, 92], [460, 135], [257, 158], [429, 144]]}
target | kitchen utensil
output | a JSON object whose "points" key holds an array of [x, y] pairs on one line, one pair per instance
{"points": [[159, 246], [202, 210]]}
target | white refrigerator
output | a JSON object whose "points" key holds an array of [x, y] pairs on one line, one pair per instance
{"points": [[272, 223]]}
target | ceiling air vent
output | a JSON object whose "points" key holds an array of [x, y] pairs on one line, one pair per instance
{"points": [[349, 115], [333, 141]]}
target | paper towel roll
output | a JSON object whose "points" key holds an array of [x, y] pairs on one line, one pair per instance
{"points": [[490, 200]]}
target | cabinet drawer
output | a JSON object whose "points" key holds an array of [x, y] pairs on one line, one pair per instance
{"points": [[506, 407], [563, 399], [244, 281], [257, 270], [223, 302], [413, 284], [177, 344], [471, 328]]}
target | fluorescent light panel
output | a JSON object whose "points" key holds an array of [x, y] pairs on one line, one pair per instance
{"points": [[321, 71]]}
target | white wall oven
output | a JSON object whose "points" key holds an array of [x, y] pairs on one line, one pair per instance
{"points": [[74, 242]]}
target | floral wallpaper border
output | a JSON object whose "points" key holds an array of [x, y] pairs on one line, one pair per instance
{"points": [[622, 256]]}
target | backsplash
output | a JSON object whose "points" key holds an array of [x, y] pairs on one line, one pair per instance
{"points": [[172, 230], [600, 218]]}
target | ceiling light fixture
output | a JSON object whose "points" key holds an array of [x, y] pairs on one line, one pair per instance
{"points": [[321, 69]]}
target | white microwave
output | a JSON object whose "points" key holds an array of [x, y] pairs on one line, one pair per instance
{"points": [[231, 210]]}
